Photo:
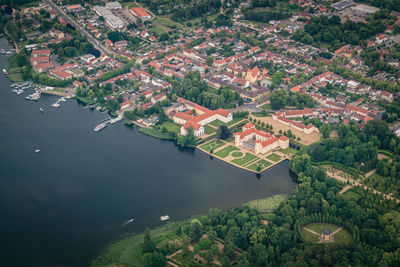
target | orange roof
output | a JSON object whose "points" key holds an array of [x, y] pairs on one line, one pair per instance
{"points": [[139, 12], [43, 65], [74, 6], [298, 112], [192, 124], [46, 52], [295, 89]]}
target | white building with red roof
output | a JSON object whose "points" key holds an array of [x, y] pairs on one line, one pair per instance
{"points": [[310, 128], [192, 115], [259, 141], [140, 13]]}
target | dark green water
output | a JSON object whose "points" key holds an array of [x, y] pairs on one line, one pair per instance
{"points": [[63, 205]]}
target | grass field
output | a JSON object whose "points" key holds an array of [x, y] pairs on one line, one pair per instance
{"points": [[127, 252], [274, 157], [309, 236], [237, 154], [288, 150], [318, 227], [209, 130], [214, 144], [223, 153], [218, 123], [155, 133], [343, 236], [171, 127], [351, 195], [267, 204], [262, 163], [15, 77], [242, 161], [266, 106]]}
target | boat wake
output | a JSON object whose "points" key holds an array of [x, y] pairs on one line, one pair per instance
{"points": [[126, 223]]}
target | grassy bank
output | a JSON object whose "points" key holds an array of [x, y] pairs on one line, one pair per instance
{"points": [[267, 204], [155, 133], [126, 252]]}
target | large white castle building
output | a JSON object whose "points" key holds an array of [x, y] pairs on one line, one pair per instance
{"points": [[259, 141]]}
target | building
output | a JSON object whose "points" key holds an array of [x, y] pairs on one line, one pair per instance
{"points": [[342, 5], [43, 67], [192, 115], [113, 5], [310, 128], [41, 53], [326, 235], [388, 96], [112, 21], [259, 141], [140, 13], [75, 8]]}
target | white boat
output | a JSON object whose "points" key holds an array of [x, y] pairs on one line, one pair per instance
{"points": [[164, 218], [62, 99], [5, 71], [41, 110], [9, 52], [56, 105], [100, 126], [115, 119], [37, 150]]}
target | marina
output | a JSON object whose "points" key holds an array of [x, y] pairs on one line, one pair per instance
{"points": [[104, 124]]}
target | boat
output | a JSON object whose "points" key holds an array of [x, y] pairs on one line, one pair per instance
{"points": [[41, 110], [28, 98], [9, 52], [115, 119], [127, 222], [62, 99], [100, 126], [37, 150], [164, 218], [56, 105], [5, 71]]}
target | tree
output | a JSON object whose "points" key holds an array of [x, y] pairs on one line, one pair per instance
{"points": [[148, 245], [325, 130], [223, 132], [153, 259], [195, 230], [278, 99], [209, 61], [112, 105], [164, 37]]}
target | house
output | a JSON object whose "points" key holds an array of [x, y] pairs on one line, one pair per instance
{"points": [[310, 128], [41, 53], [56, 34], [87, 58], [388, 96], [381, 38], [43, 67], [140, 13], [192, 115], [75, 8], [259, 141], [39, 60]]}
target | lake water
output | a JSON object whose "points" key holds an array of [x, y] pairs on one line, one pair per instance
{"points": [[64, 204]]}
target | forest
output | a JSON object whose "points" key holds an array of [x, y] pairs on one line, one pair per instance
{"points": [[279, 99], [194, 89], [332, 32]]}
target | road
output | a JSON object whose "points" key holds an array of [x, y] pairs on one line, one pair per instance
{"points": [[89, 37]]}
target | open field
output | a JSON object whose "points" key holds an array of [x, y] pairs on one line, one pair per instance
{"points": [[274, 157], [310, 237], [288, 150], [209, 130], [246, 159], [262, 163], [223, 153], [305, 139], [267, 204], [214, 144], [343, 236]]}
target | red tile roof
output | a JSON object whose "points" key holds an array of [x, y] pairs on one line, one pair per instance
{"points": [[139, 12]]}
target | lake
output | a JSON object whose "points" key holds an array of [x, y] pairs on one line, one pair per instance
{"points": [[63, 205]]}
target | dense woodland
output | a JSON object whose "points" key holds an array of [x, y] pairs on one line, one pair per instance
{"points": [[357, 148], [193, 88], [279, 99]]}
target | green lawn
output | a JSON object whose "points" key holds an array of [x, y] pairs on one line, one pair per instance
{"points": [[209, 130], [288, 150], [318, 227], [171, 127], [242, 161], [274, 157], [214, 144], [237, 154], [262, 163], [351, 195], [267, 204], [266, 106], [152, 131], [343, 236], [309, 236], [15, 77], [217, 123], [223, 153]]}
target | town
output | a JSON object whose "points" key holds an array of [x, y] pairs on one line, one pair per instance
{"points": [[251, 83]]}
